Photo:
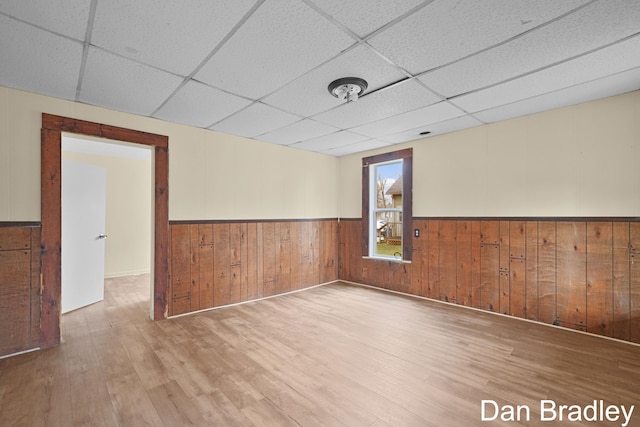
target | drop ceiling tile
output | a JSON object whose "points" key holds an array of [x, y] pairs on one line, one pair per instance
{"points": [[37, 61], [255, 120], [172, 36], [118, 83], [411, 120], [358, 147], [365, 16], [607, 86], [439, 128], [69, 17], [617, 58], [589, 28], [282, 40], [196, 104], [385, 103], [308, 95], [445, 30], [296, 132], [327, 142]]}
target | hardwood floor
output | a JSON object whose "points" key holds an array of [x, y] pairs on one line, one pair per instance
{"points": [[334, 355]]}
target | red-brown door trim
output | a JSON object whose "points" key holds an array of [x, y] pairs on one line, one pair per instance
{"points": [[51, 191]]}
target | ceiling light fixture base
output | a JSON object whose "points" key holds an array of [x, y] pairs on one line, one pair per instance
{"points": [[348, 88]]}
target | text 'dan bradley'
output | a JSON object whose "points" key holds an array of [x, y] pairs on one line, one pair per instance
{"points": [[550, 410]]}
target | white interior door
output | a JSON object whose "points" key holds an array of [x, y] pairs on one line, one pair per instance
{"points": [[84, 199]]}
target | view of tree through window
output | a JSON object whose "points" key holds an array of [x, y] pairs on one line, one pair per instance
{"points": [[386, 209]]}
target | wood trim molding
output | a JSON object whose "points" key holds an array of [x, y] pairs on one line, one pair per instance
{"points": [[531, 218], [407, 201], [519, 218], [19, 224], [247, 221], [51, 190], [407, 207]]}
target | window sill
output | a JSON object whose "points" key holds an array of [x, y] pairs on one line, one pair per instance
{"points": [[388, 259]]}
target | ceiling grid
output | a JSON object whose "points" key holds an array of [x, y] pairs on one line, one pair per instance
{"points": [[260, 69]]}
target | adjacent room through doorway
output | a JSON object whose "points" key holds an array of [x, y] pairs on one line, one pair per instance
{"points": [[107, 224]]}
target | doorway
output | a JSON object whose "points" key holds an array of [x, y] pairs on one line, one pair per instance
{"points": [[51, 214], [106, 217]]}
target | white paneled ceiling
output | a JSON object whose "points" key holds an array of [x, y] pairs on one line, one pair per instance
{"points": [[260, 68]]}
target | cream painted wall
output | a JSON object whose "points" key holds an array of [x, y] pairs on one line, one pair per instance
{"points": [[575, 161], [582, 160], [211, 175], [128, 216]]}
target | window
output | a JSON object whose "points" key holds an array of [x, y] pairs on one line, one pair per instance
{"points": [[386, 205]]}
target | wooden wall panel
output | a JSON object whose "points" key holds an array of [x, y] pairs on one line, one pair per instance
{"points": [[350, 259], [332, 252], [180, 270], [306, 252], [447, 261], [490, 232], [518, 239], [531, 279], [504, 289], [571, 271], [490, 266], [505, 284], [35, 287], [15, 238], [205, 267], [222, 292], [600, 278], [476, 236], [276, 287], [235, 261], [577, 273], [269, 259], [15, 301], [180, 305], [194, 245], [517, 289], [420, 266], [260, 260], [219, 263], [547, 272], [296, 260], [490, 277], [464, 263], [314, 253], [517, 270], [20, 290], [252, 262], [621, 282], [284, 259], [433, 260], [328, 249], [634, 284]]}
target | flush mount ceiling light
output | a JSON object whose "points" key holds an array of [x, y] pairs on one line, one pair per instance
{"points": [[348, 88]]}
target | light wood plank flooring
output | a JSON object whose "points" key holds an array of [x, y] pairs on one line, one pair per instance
{"points": [[336, 355]]}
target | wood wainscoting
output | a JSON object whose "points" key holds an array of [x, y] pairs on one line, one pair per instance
{"points": [[579, 273], [19, 287], [216, 263]]}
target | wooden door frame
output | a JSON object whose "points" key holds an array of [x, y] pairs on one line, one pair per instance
{"points": [[51, 214]]}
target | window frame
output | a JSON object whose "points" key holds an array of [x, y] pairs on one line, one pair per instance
{"points": [[406, 156]]}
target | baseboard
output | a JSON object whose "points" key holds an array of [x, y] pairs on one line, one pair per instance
{"points": [[126, 273]]}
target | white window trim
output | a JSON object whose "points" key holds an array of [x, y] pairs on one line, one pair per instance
{"points": [[373, 210]]}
